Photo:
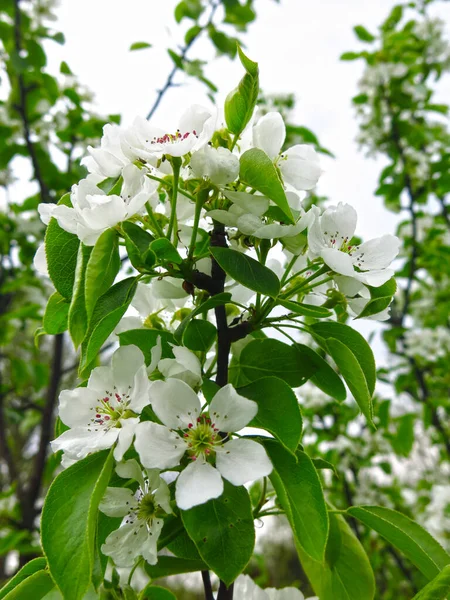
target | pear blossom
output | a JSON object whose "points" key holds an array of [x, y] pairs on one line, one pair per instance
{"points": [[219, 165], [299, 165], [246, 589], [108, 160], [142, 513], [185, 366], [189, 431], [329, 237], [106, 411], [94, 211], [145, 142]]}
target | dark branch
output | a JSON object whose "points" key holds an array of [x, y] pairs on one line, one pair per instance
{"points": [[207, 585]]}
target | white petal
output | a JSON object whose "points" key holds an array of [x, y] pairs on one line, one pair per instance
{"points": [[231, 411], [157, 446], [340, 220], [250, 203], [101, 381], [288, 593], [162, 495], [375, 278], [40, 261], [149, 549], [117, 502], [242, 460], [246, 589], [338, 261], [155, 353], [198, 483], [175, 403], [299, 166], [125, 438], [377, 253], [79, 442], [223, 216], [269, 134], [140, 390], [45, 211], [130, 469], [124, 544], [75, 406], [125, 362], [249, 224]]}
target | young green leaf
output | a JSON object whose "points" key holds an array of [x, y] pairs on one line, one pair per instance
{"points": [[218, 300], [300, 493], [137, 242], [155, 592], [223, 531], [362, 34], [56, 314], [247, 271], [306, 310], [102, 268], [278, 410], [171, 565], [199, 335], [78, 321], [438, 588], [241, 101], [409, 537], [145, 340], [357, 344], [140, 46], [166, 251], [36, 586], [380, 298], [258, 171], [35, 565], [346, 574], [325, 378], [69, 520], [61, 249]]}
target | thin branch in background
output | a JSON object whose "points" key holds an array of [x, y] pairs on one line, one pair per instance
{"points": [[207, 585], [183, 53], [22, 109], [224, 592]]}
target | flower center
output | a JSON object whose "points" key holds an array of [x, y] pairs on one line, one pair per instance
{"points": [[110, 410], [202, 438], [147, 509], [171, 138]]}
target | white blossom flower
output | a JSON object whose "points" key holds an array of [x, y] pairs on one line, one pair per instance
{"points": [[212, 457], [219, 165], [142, 511], [145, 142], [185, 366], [246, 589], [94, 211], [299, 165], [329, 237], [108, 160], [106, 410]]}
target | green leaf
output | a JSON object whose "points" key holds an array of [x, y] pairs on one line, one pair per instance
{"points": [[247, 271], [269, 357], [35, 565], [403, 440], [139, 46], [155, 592], [56, 314], [61, 249], [36, 586], [381, 297], [300, 494], [362, 34], [218, 300], [258, 171], [199, 335], [108, 311], [78, 321], [347, 574], [137, 242], [406, 535], [69, 520], [350, 56], [166, 251], [438, 588], [325, 378], [145, 340], [240, 102], [306, 310], [355, 342], [102, 268], [223, 531], [171, 565], [353, 376], [278, 410]]}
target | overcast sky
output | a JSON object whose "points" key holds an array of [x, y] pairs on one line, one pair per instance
{"points": [[297, 44]]}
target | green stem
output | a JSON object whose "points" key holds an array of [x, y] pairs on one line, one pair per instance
{"points": [[288, 270], [262, 499], [130, 576], [170, 185], [153, 221], [234, 142], [304, 284], [176, 166]]}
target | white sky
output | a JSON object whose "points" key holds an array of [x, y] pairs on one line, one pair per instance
{"points": [[297, 44]]}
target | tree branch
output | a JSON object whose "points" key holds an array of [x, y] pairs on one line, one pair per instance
{"points": [[184, 50], [207, 585], [22, 109]]}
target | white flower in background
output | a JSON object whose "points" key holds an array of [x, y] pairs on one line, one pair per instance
{"points": [[329, 237], [219, 165], [106, 410], [145, 142], [212, 457], [94, 211], [40, 261], [185, 366], [428, 344], [142, 511], [108, 160], [299, 165], [246, 589]]}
